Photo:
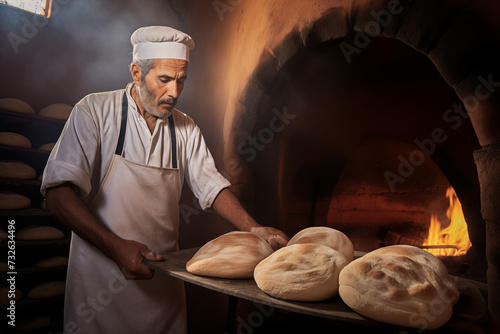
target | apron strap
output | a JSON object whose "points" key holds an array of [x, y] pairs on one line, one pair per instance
{"points": [[173, 140], [123, 126]]}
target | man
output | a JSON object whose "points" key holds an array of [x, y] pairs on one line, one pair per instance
{"points": [[115, 178]]}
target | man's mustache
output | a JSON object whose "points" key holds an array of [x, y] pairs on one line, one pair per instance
{"points": [[171, 101]]}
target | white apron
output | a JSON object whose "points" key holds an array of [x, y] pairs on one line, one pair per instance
{"points": [[137, 202]]}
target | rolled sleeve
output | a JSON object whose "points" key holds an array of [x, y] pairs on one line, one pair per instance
{"points": [[59, 172], [213, 187]]}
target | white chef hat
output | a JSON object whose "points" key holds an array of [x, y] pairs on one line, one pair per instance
{"points": [[157, 42]]}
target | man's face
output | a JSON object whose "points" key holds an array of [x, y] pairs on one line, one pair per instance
{"points": [[162, 86]]}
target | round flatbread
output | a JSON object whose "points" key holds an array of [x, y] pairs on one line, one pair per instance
{"points": [[47, 290], [400, 285], [56, 111], [33, 233], [10, 169], [325, 236], [301, 272], [14, 139], [232, 255], [16, 105], [13, 201]]}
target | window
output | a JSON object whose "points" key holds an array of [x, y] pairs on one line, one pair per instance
{"points": [[39, 7]]}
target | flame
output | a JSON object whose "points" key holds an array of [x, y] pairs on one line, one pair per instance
{"points": [[455, 234]]}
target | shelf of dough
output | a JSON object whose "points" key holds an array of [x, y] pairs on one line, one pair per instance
{"points": [[41, 241]]}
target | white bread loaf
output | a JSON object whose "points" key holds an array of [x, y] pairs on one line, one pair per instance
{"points": [[47, 290], [400, 285], [16, 105], [301, 272], [11, 169], [33, 233], [14, 139], [56, 111], [325, 236], [13, 201], [52, 262], [232, 255]]}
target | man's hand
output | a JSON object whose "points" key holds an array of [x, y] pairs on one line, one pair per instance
{"points": [[129, 255], [228, 206], [65, 204], [274, 237]]}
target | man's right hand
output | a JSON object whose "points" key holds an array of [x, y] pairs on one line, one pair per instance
{"points": [[129, 256], [64, 203]]}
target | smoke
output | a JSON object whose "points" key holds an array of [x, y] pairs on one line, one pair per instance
{"points": [[83, 48]]}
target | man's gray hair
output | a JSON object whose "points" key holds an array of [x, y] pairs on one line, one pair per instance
{"points": [[145, 65]]}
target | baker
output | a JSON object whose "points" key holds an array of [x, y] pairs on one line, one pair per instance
{"points": [[115, 178]]}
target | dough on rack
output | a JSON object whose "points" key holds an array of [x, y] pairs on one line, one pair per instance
{"points": [[52, 262], [47, 147], [10, 200], [33, 233], [14, 139], [12, 169], [16, 105], [56, 111], [47, 290]]}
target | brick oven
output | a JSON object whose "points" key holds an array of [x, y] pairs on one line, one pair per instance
{"points": [[361, 116], [354, 149]]}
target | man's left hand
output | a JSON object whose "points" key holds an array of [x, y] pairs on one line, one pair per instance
{"points": [[274, 237]]}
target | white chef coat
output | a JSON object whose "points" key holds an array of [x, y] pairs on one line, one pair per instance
{"points": [[87, 144]]}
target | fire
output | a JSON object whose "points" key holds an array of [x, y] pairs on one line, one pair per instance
{"points": [[455, 236]]}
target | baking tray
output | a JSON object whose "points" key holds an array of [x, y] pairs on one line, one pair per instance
{"points": [[470, 308]]}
